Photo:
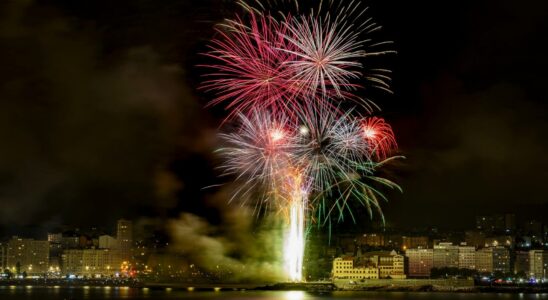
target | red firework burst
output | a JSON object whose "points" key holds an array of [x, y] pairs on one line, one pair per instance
{"points": [[379, 136]]}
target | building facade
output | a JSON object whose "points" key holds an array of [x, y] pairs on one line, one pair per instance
{"points": [[467, 257], [343, 268], [420, 262], [501, 259], [124, 234], [445, 255], [484, 260], [493, 259], [390, 264], [27, 255], [91, 262], [538, 263], [3, 257]]}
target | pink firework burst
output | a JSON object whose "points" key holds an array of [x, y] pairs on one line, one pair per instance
{"points": [[251, 71], [379, 136]]}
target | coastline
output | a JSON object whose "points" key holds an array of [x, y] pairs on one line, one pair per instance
{"points": [[311, 287]]}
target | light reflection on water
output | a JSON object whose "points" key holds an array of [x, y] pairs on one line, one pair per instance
{"points": [[107, 292], [294, 295]]}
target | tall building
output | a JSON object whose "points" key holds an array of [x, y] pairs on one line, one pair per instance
{"points": [[501, 259], [124, 234], [55, 246], [538, 263], [420, 262], [467, 257], [446, 255], [27, 255], [484, 260]]}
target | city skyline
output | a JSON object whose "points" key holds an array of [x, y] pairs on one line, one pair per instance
{"points": [[493, 246]]}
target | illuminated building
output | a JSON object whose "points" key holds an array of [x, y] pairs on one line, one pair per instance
{"points": [[91, 262], [484, 260], [55, 238], [343, 268], [390, 264], [409, 242], [3, 257], [124, 235], [501, 240], [538, 263], [420, 262], [27, 255], [467, 257], [371, 239], [493, 259], [501, 259], [445, 255]]}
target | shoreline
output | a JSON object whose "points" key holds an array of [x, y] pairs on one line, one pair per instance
{"points": [[311, 287]]}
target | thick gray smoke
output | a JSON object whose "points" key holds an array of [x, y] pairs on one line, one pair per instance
{"points": [[251, 250]]}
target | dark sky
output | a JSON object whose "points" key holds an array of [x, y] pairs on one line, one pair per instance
{"points": [[100, 117]]}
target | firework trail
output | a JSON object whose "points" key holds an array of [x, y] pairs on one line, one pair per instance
{"points": [[294, 148]]}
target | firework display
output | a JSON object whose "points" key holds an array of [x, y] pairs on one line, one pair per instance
{"points": [[296, 146]]}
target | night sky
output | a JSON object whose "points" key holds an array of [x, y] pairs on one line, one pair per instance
{"points": [[101, 118]]}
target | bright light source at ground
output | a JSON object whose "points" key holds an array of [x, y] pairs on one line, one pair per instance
{"points": [[294, 295]]}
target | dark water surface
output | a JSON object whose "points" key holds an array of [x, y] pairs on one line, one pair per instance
{"points": [[77, 293]]}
